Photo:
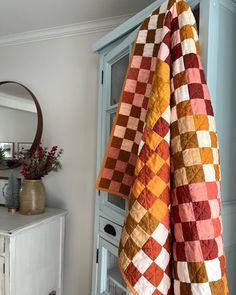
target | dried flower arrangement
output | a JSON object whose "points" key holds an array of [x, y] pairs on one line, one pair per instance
{"points": [[40, 163]]}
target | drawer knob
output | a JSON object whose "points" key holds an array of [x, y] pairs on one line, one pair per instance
{"points": [[109, 229]]}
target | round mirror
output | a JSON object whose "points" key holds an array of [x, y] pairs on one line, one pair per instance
{"points": [[21, 122]]}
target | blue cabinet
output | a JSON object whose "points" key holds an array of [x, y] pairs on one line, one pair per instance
{"points": [[217, 24]]}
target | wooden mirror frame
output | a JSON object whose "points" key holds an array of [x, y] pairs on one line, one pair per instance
{"points": [[39, 130]]}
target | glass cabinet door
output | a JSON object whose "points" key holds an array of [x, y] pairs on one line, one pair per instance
{"points": [[115, 66], [111, 282]]}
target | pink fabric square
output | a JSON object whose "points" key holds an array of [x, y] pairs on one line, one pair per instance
{"points": [[206, 92], [125, 109], [215, 208], [164, 52], [193, 75], [128, 180], [138, 100], [143, 75], [136, 61], [127, 145], [148, 90], [113, 153], [132, 159], [153, 64], [212, 190], [130, 85], [107, 173], [178, 232], [186, 212], [198, 192], [114, 186], [120, 166], [119, 131], [205, 230], [133, 123], [175, 39], [217, 224], [218, 189], [193, 251], [198, 107], [219, 241]]}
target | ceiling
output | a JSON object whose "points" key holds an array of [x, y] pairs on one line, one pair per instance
{"points": [[17, 16]]}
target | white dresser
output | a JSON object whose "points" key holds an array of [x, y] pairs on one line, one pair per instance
{"points": [[31, 253]]}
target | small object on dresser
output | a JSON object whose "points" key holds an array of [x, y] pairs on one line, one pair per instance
{"points": [[36, 165], [11, 192]]}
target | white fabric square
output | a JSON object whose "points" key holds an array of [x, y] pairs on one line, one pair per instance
{"points": [[201, 289], [166, 114], [215, 208], [183, 274], [163, 259], [188, 46], [209, 172], [182, 94], [142, 261], [142, 36], [204, 139], [158, 35], [152, 25], [140, 146], [213, 269], [186, 18], [143, 284], [148, 50], [164, 285], [215, 156], [178, 66], [167, 137], [212, 123], [160, 234], [177, 287], [163, 7], [173, 116]]}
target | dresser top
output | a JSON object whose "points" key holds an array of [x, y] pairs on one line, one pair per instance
{"points": [[13, 222]]}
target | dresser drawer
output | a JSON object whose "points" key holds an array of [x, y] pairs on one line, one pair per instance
{"points": [[2, 245], [109, 230]]}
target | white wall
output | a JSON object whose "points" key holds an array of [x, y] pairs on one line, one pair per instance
{"points": [[17, 126], [63, 74]]}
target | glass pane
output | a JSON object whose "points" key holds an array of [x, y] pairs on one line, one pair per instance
{"points": [[116, 201], [115, 283], [112, 116], [196, 12], [118, 72]]}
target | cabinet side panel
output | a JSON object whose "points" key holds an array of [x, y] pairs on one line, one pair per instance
{"points": [[37, 260]]}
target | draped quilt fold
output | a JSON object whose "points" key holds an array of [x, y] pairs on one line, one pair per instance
{"points": [[163, 156]]}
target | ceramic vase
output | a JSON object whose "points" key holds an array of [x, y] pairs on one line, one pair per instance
{"points": [[32, 197]]}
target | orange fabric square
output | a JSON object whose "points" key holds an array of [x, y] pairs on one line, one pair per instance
{"points": [[186, 32], [158, 209], [201, 122], [206, 156]]}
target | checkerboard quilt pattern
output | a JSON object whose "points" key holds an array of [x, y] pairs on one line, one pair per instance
{"points": [[117, 170], [199, 263], [171, 242]]}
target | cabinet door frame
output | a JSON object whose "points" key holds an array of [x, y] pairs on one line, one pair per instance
{"points": [[115, 54]]}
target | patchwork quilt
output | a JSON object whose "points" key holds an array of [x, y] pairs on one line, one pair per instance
{"points": [[163, 156]]}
